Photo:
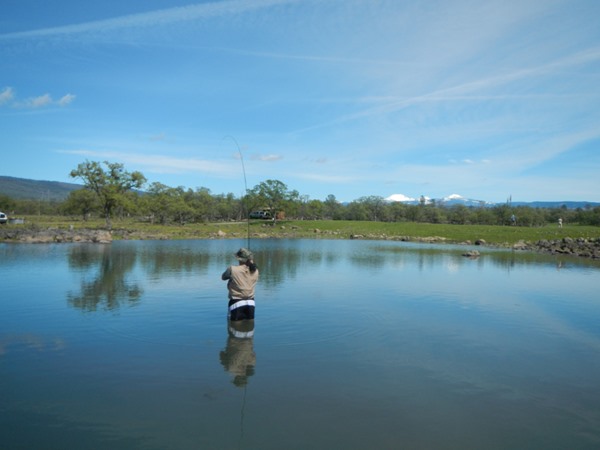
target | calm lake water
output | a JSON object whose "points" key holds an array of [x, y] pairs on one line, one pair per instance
{"points": [[356, 345]]}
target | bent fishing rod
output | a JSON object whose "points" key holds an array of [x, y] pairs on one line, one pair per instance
{"points": [[245, 197]]}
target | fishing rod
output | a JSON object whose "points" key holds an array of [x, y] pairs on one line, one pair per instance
{"points": [[245, 199], [244, 206]]}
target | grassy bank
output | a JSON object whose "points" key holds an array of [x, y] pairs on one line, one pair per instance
{"points": [[329, 229]]}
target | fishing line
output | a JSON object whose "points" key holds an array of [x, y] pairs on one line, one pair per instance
{"points": [[242, 418], [245, 199], [244, 206]]}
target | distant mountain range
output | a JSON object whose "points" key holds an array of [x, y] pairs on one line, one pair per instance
{"points": [[456, 199], [26, 189], [453, 199]]}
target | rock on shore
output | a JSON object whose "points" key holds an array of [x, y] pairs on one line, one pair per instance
{"points": [[585, 248], [54, 235], [588, 248]]}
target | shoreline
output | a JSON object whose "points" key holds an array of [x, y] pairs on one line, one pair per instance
{"points": [[579, 247]]}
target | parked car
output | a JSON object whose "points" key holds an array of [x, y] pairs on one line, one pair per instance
{"points": [[260, 215], [3, 218]]}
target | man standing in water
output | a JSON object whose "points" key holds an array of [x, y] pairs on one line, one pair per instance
{"points": [[241, 283]]}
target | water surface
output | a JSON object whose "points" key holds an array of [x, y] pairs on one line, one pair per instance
{"points": [[356, 344]]}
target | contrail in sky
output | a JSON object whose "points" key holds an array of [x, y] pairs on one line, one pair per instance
{"points": [[153, 18]]}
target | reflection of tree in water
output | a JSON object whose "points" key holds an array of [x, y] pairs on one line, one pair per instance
{"points": [[239, 358], [430, 256], [109, 287], [32, 341], [278, 264], [174, 258]]}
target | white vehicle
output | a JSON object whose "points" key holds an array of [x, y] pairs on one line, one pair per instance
{"points": [[3, 218], [260, 215]]}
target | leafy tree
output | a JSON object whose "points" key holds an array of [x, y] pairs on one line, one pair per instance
{"points": [[158, 201], [203, 204], [314, 209], [459, 214], [274, 194], [397, 211], [6, 203], [109, 185], [414, 213], [165, 204], [357, 210], [503, 214], [331, 207], [373, 205], [80, 202], [484, 216], [227, 207], [589, 216], [432, 214]]}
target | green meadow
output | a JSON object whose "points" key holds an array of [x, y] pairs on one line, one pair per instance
{"points": [[321, 229]]}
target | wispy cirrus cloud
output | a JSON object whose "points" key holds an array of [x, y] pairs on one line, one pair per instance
{"points": [[6, 95], [266, 158], [65, 100], [473, 90], [158, 163], [152, 18]]}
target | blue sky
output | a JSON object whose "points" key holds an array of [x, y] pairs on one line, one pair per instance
{"points": [[345, 97]]}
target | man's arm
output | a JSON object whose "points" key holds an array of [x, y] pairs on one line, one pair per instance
{"points": [[227, 274]]}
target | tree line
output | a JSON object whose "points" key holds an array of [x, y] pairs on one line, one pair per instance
{"points": [[112, 192]]}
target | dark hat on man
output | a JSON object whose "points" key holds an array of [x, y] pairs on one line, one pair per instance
{"points": [[244, 254]]}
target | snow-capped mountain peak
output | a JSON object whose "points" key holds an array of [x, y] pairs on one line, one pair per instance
{"points": [[399, 198], [452, 199]]}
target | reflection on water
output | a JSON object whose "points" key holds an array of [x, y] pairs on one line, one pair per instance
{"points": [[361, 344], [31, 341], [239, 358], [107, 285]]}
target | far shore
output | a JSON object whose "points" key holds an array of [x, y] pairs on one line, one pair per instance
{"points": [[582, 241]]}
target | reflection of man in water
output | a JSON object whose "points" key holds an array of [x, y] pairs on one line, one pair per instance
{"points": [[239, 358]]}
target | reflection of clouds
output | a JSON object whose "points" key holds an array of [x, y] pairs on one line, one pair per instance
{"points": [[31, 341], [452, 266], [239, 358]]}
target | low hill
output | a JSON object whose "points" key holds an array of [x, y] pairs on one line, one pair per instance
{"points": [[565, 204], [25, 189]]}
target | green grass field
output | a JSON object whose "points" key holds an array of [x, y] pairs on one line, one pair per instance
{"points": [[330, 229]]}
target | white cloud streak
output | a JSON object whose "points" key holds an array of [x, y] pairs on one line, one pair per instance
{"points": [[41, 101], [159, 163], [266, 158], [6, 95], [66, 100], [152, 18], [9, 98], [468, 90]]}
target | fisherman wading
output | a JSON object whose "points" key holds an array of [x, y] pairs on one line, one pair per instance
{"points": [[241, 283]]}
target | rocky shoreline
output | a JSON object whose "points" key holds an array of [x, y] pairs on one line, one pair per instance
{"points": [[55, 235], [579, 247], [584, 248]]}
